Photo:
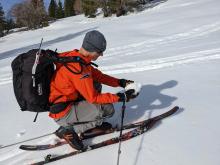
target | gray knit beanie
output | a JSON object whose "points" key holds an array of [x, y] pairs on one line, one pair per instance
{"points": [[94, 41]]}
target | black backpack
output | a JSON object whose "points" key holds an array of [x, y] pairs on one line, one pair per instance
{"points": [[32, 73]]}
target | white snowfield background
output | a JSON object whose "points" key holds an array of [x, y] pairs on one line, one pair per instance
{"points": [[172, 48]]}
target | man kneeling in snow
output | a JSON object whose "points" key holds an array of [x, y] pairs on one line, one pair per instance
{"points": [[78, 105]]}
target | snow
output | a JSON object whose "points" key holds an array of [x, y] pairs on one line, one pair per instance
{"points": [[172, 49], [136, 86]]}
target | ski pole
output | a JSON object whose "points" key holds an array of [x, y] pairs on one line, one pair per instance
{"points": [[122, 123]]}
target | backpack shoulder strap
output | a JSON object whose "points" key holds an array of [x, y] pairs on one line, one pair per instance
{"points": [[54, 56]]}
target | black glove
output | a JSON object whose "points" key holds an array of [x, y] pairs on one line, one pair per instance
{"points": [[123, 82], [129, 94]]}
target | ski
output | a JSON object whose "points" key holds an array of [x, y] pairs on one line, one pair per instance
{"points": [[139, 128], [128, 126], [60, 143]]}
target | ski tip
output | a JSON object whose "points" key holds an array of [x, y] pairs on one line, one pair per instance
{"points": [[28, 147], [176, 107]]}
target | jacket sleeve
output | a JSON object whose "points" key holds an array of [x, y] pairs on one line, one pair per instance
{"points": [[104, 79], [84, 85]]}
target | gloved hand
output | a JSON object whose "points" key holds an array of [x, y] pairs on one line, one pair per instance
{"points": [[129, 94], [123, 82]]}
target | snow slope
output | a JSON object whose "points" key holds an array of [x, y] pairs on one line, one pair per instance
{"points": [[172, 48]]}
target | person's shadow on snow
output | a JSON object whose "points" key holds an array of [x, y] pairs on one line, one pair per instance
{"points": [[150, 98]]}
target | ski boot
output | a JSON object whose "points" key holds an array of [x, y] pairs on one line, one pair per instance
{"points": [[71, 137]]}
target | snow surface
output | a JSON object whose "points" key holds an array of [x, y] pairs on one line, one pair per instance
{"points": [[171, 48]]}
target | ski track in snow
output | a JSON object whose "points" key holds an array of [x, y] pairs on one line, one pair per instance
{"points": [[11, 154], [16, 155], [146, 46], [138, 66]]}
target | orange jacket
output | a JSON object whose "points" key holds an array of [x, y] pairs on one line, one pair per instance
{"points": [[67, 86]]}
